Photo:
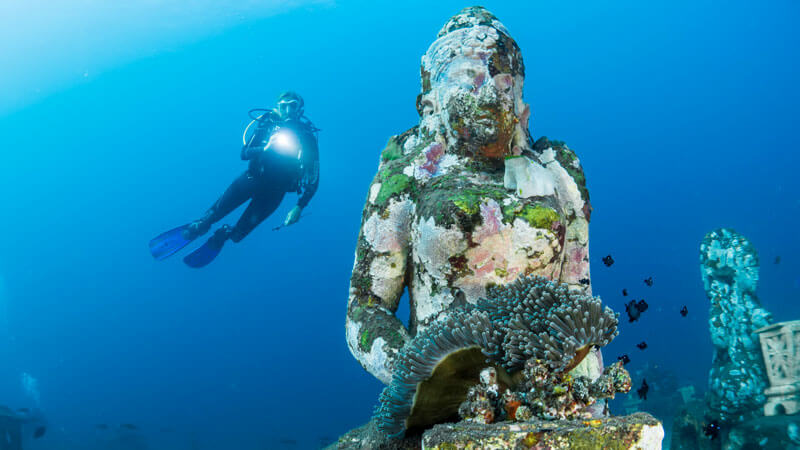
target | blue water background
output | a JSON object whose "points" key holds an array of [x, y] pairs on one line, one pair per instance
{"points": [[684, 115]]}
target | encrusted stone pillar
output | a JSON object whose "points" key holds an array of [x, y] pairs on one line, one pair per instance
{"points": [[729, 268]]}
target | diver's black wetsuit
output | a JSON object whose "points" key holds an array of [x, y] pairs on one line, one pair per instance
{"points": [[269, 176]]}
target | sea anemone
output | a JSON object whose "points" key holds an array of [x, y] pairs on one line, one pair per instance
{"points": [[544, 320], [531, 318], [434, 371]]}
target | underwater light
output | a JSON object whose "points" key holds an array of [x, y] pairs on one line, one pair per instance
{"points": [[284, 142]]}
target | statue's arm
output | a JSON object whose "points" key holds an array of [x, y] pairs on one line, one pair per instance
{"points": [[575, 269], [374, 333], [577, 210]]}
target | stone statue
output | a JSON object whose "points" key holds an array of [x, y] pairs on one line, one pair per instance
{"points": [[729, 268], [465, 199]]}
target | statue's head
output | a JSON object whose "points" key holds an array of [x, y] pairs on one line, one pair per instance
{"points": [[472, 78]]}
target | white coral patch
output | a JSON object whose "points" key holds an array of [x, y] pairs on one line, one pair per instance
{"points": [[389, 235], [435, 245], [373, 192], [447, 162], [650, 438], [527, 178], [375, 362], [386, 272], [530, 246], [565, 184], [435, 305], [410, 143]]}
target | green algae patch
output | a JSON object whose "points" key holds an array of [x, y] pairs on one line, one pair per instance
{"points": [[392, 151], [365, 343], [375, 323], [539, 217], [467, 206], [394, 185], [469, 200]]}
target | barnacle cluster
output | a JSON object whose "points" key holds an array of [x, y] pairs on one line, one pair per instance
{"points": [[542, 393], [533, 324]]}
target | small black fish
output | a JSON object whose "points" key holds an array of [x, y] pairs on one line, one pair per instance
{"points": [[25, 410], [777, 260], [624, 358], [642, 391], [635, 309], [684, 311], [584, 281], [101, 426], [608, 261], [39, 432], [129, 426], [712, 429], [624, 292], [642, 345], [648, 281]]}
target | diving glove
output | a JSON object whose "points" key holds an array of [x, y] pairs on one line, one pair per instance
{"points": [[293, 216]]}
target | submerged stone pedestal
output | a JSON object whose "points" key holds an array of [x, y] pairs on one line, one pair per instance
{"points": [[636, 431], [780, 345]]}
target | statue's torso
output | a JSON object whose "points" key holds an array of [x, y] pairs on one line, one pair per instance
{"points": [[469, 231]]}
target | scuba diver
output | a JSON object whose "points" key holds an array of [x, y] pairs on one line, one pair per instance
{"points": [[12, 423], [283, 157]]}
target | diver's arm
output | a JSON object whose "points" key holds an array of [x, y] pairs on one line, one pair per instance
{"points": [[252, 149], [311, 169], [374, 333]]}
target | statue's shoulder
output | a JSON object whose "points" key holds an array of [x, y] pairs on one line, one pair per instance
{"points": [[395, 176], [553, 151]]}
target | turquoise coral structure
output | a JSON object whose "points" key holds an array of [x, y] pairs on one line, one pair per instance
{"points": [[729, 268], [533, 324]]}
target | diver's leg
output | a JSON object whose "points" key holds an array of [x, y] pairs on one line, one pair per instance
{"points": [[264, 203], [237, 193]]}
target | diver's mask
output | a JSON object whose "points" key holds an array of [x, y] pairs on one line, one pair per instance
{"points": [[284, 142], [289, 108]]}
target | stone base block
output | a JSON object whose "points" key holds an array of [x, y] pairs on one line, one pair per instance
{"points": [[636, 431]]}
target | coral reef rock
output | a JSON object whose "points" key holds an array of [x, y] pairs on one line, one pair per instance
{"points": [[465, 199], [534, 331], [637, 431], [729, 268]]}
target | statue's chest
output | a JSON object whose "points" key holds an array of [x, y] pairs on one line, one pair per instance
{"points": [[467, 235]]}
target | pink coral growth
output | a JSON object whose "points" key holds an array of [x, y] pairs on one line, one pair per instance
{"points": [[433, 154]]}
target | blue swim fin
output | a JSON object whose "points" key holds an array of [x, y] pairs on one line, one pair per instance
{"points": [[166, 244], [207, 252]]}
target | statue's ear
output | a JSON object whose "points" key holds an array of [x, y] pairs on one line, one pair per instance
{"points": [[426, 104]]}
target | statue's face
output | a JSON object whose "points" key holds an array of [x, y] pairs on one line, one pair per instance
{"points": [[473, 92]]}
